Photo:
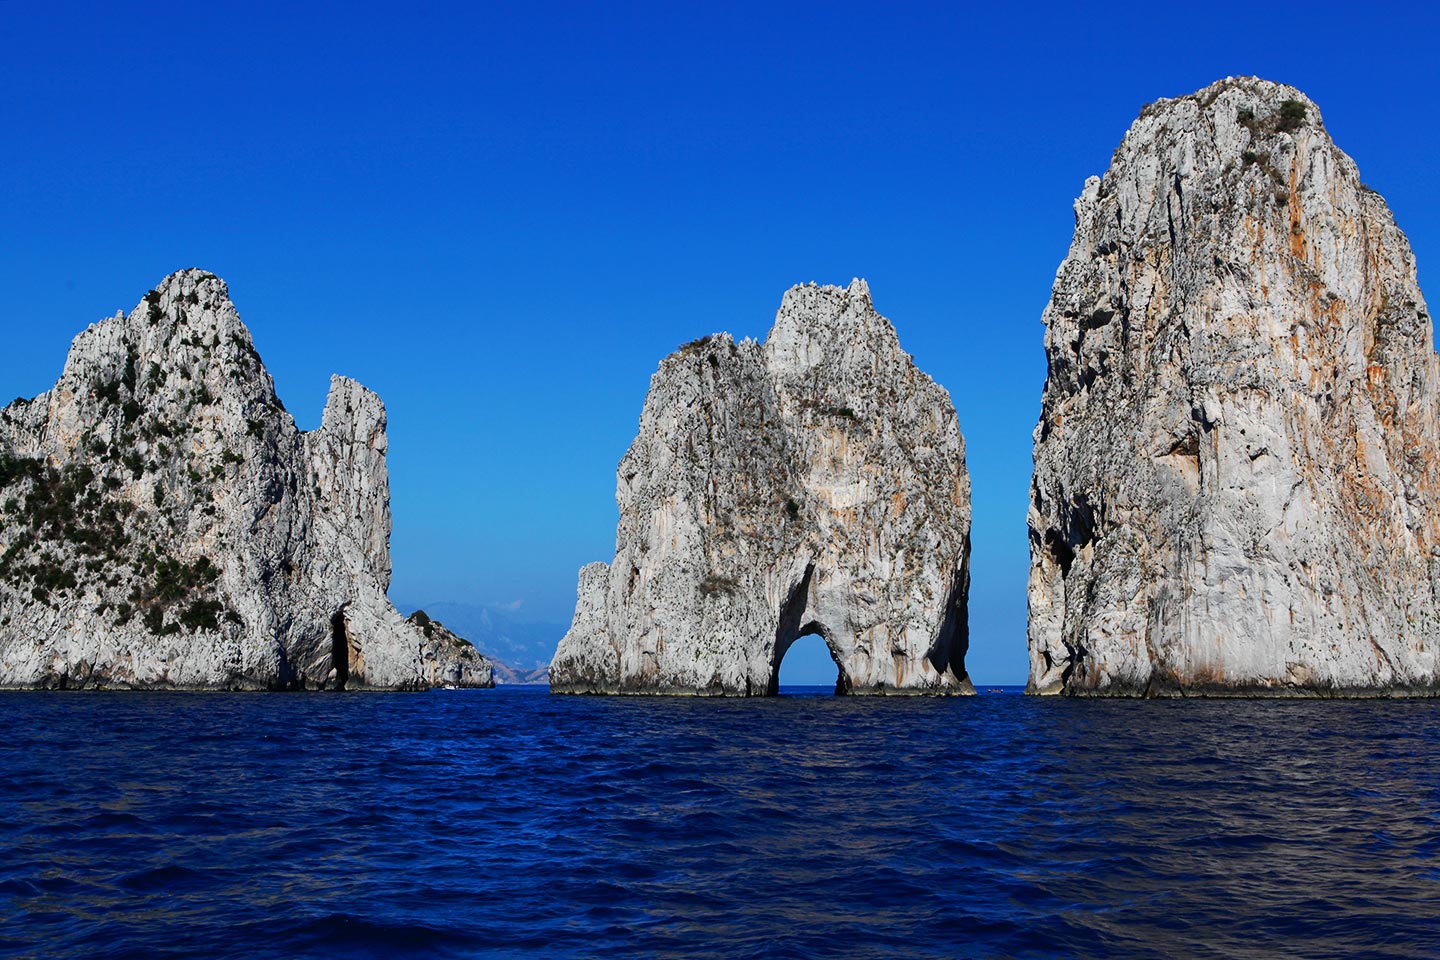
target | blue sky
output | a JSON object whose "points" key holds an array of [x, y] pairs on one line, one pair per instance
{"points": [[501, 217]]}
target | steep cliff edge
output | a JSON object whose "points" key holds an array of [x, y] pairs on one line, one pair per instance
{"points": [[164, 524], [1236, 463], [812, 484]]}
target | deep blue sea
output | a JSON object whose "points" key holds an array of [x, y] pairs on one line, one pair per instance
{"points": [[513, 823]]}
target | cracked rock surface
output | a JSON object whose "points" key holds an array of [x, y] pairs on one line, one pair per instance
{"points": [[814, 483], [164, 524], [1236, 463]]}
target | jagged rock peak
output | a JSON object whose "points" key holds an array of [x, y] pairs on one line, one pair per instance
{"points": [[166, 525], [1235, 485], [812, 484]]}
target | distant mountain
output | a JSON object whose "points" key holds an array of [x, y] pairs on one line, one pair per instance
{"points": [[507, 675], [523, 649]]}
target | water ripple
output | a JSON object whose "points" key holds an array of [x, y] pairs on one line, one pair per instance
{"points": [[510, 823]]}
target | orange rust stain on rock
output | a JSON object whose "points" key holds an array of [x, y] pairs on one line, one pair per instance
{"points": [[1297, 231]]}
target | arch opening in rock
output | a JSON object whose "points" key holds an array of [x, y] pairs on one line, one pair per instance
{"points": [[807, 661], [793, 625], [340, 649]]}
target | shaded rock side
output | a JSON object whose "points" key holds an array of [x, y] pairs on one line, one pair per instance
{"points": [[164, 524], [812, 484], [1236, 459]]}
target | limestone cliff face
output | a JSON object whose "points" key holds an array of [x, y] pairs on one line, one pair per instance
{"points": [[164, 524], [1237, 459], [812, 484]]}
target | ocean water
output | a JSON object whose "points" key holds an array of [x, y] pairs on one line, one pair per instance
{"points": [[512, 823]]}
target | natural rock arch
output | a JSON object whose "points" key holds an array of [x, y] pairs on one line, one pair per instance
{"points": [[816, 481], [783, 645], [792, 626]]}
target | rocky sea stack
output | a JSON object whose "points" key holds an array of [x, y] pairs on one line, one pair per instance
{"points": [[814, 484], [1237, 460], [166, 525]]}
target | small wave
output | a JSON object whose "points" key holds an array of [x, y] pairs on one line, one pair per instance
{"points": [[172, 878]]}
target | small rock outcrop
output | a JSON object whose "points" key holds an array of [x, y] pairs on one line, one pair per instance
{"points": [[164, 524], [449, 660], [812, 484], [1238, 455]]}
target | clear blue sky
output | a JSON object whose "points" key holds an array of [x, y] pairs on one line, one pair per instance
{"points": [[501, 217]]}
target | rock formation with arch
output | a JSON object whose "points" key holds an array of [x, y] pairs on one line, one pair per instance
{"points": [[815, 483], [1236, 486], [166, 525]]}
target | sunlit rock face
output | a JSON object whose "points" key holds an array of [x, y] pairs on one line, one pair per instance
{"points": [[163, 524], [812, 484], [1236, 460]]}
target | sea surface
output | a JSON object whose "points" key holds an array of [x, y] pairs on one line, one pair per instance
{"points": [[510, 823]]}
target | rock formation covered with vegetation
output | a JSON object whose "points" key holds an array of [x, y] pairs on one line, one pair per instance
{"points": [[164, 524]]}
